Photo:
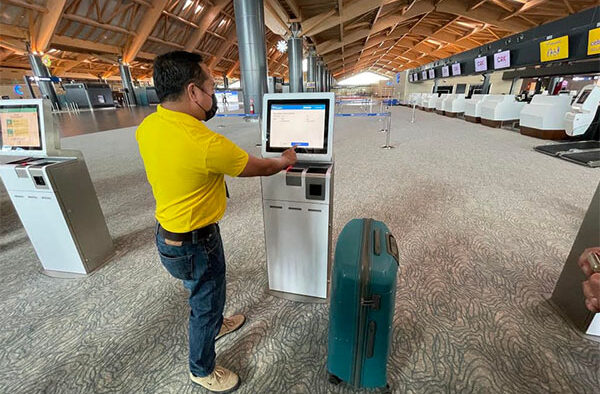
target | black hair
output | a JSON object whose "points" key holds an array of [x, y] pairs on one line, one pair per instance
{"points": [[173, 71]]}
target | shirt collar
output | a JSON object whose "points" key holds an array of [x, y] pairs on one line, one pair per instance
{"points": [[178, 116]]}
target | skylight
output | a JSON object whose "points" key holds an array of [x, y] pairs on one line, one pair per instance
{"points": [[365, 78], [187, 4], [199, 8]]}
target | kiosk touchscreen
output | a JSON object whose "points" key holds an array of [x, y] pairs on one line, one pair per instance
{"points": [[53, 195], [297, 202]]}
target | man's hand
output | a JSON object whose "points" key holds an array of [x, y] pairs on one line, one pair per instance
{"points": [[289, 157], [591, 287]]}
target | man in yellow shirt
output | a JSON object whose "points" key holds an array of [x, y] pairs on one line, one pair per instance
{"points": [[185, 164]]}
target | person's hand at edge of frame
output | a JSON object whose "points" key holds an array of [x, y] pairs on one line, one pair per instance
{"points": [[591, 287]]}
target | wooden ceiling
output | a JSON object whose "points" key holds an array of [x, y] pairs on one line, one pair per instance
{"points": [[85, 37]]}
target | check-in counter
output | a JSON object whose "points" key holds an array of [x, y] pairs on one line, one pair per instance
{"points": [[425, 100], [583, 110], [439, 106], [473, 107], [500, 109], [455, 105], [544, 117]]}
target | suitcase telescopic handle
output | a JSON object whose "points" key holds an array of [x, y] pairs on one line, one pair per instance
{"points": [[392, 247], [377, 242]]}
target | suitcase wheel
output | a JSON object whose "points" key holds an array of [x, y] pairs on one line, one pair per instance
{"points": [[334, 379], [387, 389]]}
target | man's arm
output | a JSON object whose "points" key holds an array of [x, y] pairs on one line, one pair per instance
{"points": [[265, 167]]}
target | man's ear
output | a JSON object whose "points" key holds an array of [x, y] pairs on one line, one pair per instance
{"points": [[191, 92]]}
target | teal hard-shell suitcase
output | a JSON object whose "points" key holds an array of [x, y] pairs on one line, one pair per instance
{"points": [[363, 292]]}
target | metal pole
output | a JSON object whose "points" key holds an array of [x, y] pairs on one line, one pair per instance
{"points": [[295, 59], [250, 27], [127, 83], [388, 137], [41, 71], [412, 118], [311, 71], [319, 76]]}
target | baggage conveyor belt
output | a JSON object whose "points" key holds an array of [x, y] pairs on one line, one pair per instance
{"points": [[585, 153]]}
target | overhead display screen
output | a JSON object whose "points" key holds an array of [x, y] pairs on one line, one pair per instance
{"points": [[481, 64], [431, 74], [456, 69], [20, 127], [301, 124], [445, 71], [501, 60], [423, 75]]}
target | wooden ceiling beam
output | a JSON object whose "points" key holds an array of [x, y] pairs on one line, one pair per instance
{"points": [[273, 21], [457, 7], [91, 22], [145, 27], [569, 6], [295, 9], [526, 6], [29, 6], [43, 31], [207, 19], [325, 21], [230, 41]]}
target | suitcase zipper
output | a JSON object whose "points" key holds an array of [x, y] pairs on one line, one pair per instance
{"points": [[364, 302]]}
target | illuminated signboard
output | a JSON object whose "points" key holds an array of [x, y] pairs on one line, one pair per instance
{"points": [[456, 69], [431, 74], [446, 71], [501, 60], [594, 42], [481, 64], [554, 49]]}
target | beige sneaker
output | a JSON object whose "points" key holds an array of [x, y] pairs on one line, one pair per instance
{"points": [[221, 380], [230, 324]]}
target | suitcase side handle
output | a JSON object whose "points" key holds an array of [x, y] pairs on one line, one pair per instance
{"points": [[392, 247], [377, 242]]}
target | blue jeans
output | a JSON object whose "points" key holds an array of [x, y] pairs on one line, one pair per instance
{"points": [[201, 267]]}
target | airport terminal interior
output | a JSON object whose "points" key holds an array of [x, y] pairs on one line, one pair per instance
{"points": [[471, 129]]}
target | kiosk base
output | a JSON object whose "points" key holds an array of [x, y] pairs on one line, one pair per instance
{"points": [[544, 134], [298, 297]]}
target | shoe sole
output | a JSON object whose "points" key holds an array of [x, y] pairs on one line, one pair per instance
{"points": [[231, 332], [221, 392]]}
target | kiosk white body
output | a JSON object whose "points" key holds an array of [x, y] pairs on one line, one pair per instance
{"points": [[431, 102], [298, 202], [545, 112], [473, 105], [53, 195], [582, 112], [501, 108], [439, 105], [455, 104]]}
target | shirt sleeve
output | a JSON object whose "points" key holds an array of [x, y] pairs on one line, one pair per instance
{"points": [[225, 157]]}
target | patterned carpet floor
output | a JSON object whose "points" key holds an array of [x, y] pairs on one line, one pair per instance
{"points": [[483, 223]]}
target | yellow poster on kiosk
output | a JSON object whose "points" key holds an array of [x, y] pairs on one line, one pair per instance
{"points": [[594, 42], [555, 49]]}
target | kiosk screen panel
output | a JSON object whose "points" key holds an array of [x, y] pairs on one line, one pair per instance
{"points": [[20, 127], [299, 123], [583, 97]]}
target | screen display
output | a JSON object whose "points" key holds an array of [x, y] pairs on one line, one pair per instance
{"points": [[431, 74], [445, 71], [583, 97], [501, 60], [481, 64], [456, 69], [297, 123], [424, 75], [20, 127]]}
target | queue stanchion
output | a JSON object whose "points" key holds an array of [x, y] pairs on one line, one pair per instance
{"points": [[414, 109], [388, 137]]}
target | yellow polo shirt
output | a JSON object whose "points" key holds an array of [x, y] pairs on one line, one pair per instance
{"points": [[185, 162]]}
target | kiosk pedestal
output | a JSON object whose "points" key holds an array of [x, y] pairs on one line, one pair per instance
{"points": [[56, 202]]}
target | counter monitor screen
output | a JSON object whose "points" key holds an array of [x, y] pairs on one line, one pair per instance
{"points": [[501, 60], [456, 69], [297, 123], [584, 96], [446, 71], [20, 127], [432, 74], [481, 64]]}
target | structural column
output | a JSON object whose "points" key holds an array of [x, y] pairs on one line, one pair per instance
{"points": [[295, 59], [250, 27], [46, 86], [319, 76], [311, 71], [225, 82], [127, 82]]}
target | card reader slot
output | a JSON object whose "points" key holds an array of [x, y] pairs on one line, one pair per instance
{"points": [[294, 208], [276, 206], [317, 170]]}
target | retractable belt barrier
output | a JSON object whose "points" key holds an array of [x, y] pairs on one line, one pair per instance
{"points": [[385, 129]]}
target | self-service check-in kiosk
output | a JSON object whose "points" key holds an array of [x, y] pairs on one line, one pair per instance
{"points": [[298, 202], [583, 110], [51, 191]]}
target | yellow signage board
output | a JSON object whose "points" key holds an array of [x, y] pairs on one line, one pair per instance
{"points": [[594, 42], [555, 49]]}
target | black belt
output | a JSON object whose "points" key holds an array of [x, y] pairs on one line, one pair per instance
{"points": [[193, 236]]}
